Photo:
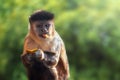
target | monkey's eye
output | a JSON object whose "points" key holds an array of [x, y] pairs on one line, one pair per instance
{"points": [[47, 25], [39, 26]]}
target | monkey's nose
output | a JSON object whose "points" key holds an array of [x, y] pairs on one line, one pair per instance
{"points": [[44, 31]]}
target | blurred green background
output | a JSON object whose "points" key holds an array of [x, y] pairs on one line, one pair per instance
{"points": [[89, 28]]}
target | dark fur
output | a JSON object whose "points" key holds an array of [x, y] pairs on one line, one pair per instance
{"points": [[37, 70], [41, 16]]}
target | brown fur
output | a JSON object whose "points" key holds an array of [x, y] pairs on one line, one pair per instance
{"points": [[55, 45]]}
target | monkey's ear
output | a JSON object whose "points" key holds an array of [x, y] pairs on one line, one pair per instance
{"points": [[29, 19], [28, 26]]}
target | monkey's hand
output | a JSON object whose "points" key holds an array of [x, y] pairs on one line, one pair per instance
{"points": [[50, 59], [27, 59], [31, 57]]}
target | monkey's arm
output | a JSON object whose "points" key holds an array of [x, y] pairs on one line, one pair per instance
{"points": [[31, 57], [49, 59], [63, 62], [27, 57], [27, 60]]}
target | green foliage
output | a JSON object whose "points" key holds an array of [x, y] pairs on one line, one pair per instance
{"points": [[89, 28]]}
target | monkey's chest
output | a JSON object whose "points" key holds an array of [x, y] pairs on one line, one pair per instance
{"points": [[53, 46]]}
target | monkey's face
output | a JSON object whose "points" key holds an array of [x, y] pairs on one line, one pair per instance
{"points": [[43, 29]]}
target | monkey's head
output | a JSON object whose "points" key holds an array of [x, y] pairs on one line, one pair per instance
{"points": [[42, 24]]}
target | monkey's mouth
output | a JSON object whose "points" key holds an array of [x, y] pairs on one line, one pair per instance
{"points": [[44, 35]]}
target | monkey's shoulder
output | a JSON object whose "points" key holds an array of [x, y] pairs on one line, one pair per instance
{"points": [[29, 43], [56, 43], [58, 39]]}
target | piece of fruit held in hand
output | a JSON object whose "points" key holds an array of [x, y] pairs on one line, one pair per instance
{"points": [[32, 50]]}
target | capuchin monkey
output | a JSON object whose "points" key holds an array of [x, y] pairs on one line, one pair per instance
{"points": [[44, 54]]}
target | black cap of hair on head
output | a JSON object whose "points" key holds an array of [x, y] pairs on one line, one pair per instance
{"points": [[41, 15]]}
